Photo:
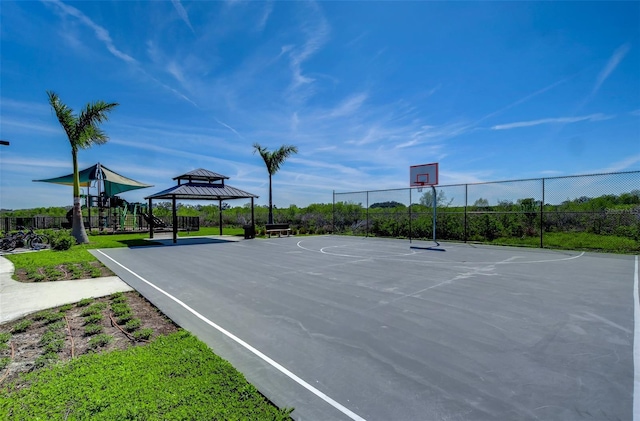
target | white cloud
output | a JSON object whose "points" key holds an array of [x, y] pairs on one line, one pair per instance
{"points": [[612, 64], [101, 33], [623, 165], [635, 112], [182, 13], [555, 120], [348, 106], [266, 12]]}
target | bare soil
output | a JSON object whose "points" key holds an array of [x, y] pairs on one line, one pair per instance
{"points": [[64, 272], [25, 348]]}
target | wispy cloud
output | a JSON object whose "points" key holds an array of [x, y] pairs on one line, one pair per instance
{"points": [[317, 34], [182, 12], [635, 112], [101, 33], [229, 127], [625, 164], [612, 64], [348, 106], [556, 120], [266, 12]]}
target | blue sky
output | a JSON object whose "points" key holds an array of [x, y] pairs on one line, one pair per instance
{"points": [[489, 90]]}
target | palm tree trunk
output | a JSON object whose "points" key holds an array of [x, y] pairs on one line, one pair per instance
{"points": [[77, 224], [270, 202]]}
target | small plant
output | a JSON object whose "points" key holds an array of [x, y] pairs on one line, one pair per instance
{"points": [[100, 340], [125, 317], [92, 329], [54, 346], [132, 325], [22, 326], [96, 273], [143, 334], [93, 318], [84, 302], [120, 308], [53, 273], [118, 297], [54, 317], [34, 275], [4, 337], [62, 240], [41, 315], [65, 308], [45, 359], [93, 309], [56, 326], [4, 362]]}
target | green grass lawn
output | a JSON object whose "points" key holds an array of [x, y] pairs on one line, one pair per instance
{"points": [[176, 377]]}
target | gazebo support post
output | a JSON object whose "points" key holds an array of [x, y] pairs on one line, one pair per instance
{"points": [[253, 219], [220, 213], [175, 220], [150, 218]]}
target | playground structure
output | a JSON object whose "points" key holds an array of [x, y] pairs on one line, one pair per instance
{"points": [[115, 214]]}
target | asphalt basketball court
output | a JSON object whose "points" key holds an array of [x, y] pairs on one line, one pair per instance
{"points": [[368, 328]]}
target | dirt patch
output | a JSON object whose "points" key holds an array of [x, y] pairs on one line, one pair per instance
{"points": [[54, 338]]}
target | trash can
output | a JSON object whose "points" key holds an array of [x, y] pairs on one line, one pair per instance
{"points": [[249, 232]]}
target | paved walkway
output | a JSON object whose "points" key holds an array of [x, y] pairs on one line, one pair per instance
{"points": [[17, 299]]}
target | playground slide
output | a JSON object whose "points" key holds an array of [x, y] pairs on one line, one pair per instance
{"points": [[157, 222]]}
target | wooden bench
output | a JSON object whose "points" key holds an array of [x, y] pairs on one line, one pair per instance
{"points": [[279, 228]]}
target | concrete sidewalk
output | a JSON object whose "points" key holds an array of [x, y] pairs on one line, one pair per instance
{"points": [[17, 299]]}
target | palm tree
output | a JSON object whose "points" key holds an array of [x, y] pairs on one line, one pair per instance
{"points": [[273, 161], [83, 132]]}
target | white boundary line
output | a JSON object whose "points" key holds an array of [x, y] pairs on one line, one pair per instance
{"points": [[636, 345], [394, 257], [271, 362]]}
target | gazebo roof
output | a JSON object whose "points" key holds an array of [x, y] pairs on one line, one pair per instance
{"points": [[202, 184], [202, 191], [201, 175]]}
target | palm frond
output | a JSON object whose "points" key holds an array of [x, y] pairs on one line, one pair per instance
{"points": [[65, 116]]}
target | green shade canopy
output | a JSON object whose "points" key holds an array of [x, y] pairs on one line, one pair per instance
{"points": [[113, 183]]}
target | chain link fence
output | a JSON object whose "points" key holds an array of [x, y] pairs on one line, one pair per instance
{"points": [[593, 212]]}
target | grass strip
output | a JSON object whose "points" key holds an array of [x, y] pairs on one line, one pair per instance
{"points": [[174, 377]]}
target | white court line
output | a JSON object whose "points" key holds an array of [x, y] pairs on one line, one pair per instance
{"points": [[395, 257], [230, 335], [636, 346]]}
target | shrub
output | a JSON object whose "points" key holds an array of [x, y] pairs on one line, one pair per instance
{"points": [[54, 317], [118, 297], [132, 325], [21, 326], [84, 302], [92, 329], [93, 318], [93, 309], [62, 240], [41, 315], [143, 334], [99, 341], [120, 309], [4, 362], [125, 317], [45, 359]]}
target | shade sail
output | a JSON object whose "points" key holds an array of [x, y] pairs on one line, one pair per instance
{"points": [[113, 183]]}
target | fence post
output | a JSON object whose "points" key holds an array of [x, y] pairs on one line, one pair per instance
{"points": [[333, 213], [409, 215], [542, 217], [466, 198], [367, 229]]}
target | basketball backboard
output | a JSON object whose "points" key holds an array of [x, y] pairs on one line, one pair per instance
{"points": [[423, 175]]}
